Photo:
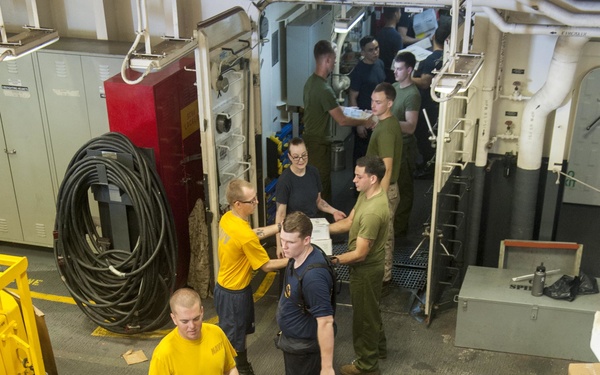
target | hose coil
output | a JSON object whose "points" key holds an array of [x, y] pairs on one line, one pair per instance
{"points": [[121, 290]]}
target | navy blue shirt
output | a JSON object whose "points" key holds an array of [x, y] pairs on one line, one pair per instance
{"points": [[363, 79], [427, 66], [317, 285], [406, 20], [299, 193], [390, 42]]}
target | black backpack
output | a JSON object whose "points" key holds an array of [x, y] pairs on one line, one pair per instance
{"points": [[332, 271]]}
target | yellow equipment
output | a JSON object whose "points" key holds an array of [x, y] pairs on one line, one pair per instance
{"points": [[20, 350]]}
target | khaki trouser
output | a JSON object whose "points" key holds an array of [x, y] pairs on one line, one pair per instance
{"points": [[393, 200]]}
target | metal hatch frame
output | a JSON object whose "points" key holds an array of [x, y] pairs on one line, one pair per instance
{"points": [[447, 111], [215, 34], [433, 286]]}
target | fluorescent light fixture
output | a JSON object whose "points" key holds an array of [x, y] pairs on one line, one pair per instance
{"points": [[353, 17], [164, 53], [27, 42], [466, 67]]}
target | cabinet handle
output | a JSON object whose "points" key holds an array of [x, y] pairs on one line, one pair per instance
{"points": [[13, 151]]}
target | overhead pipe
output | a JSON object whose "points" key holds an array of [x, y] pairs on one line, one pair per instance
{"points": [[514, 28], [339, 82], [100, 20], [32, 13], [584, 6], [499, 4], [533, 126], [3, 36], [562, 15]]}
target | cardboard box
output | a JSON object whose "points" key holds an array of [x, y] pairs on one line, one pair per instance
{"points": [[320, 229], [325, 245], [584, 368]]}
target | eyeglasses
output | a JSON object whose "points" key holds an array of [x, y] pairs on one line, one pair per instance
{"points": [[298, 157], [252, 201]]}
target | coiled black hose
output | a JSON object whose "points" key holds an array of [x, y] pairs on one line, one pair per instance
{"points": [[122, 290]]}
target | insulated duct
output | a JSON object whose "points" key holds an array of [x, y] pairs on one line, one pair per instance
{"points": [[584, 6], [561, 30], [564, 16], [489, 72], [558, 85]]}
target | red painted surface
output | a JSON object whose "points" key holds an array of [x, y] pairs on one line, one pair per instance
{"points": [[149, 114]]}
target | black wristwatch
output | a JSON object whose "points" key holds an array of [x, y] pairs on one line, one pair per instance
{"points": [[335, 261]]}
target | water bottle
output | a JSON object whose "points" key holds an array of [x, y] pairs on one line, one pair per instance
{"points": [[539, 279]]}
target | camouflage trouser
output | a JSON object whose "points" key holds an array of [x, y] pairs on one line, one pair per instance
{"points": [[393, 200]]}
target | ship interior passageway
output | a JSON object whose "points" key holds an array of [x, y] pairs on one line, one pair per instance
{"points": [[414, 346], [512, 184]]}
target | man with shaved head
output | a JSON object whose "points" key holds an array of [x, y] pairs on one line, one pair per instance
{"points": [[192, 347]]}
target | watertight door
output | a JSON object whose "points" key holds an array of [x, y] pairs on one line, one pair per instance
{"points": [[227, 128]]}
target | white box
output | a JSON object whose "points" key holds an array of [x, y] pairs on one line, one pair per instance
{"points": [[320, 229], [325, 245]]}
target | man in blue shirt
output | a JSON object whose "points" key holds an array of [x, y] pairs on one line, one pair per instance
{"points": [[305, 311], [390, 41]]}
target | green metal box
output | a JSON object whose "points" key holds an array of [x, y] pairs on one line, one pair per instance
{"points": [[496, 313]]}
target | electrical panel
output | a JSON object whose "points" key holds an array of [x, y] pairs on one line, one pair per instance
{"points": [[161, 113], [302, 35]]}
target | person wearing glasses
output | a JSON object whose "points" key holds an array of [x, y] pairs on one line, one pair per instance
{"points": [[240, 253], [299, 189]]}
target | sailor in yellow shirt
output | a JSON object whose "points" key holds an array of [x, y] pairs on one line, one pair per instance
{"points": [[192, 348], [240, 253]]}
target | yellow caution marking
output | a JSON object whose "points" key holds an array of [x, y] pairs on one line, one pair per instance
{"points": [[264, 285], [49, 297], [101, 332]]}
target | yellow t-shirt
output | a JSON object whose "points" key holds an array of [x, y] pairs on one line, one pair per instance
{"points": [[212, 354], [240, 252]]}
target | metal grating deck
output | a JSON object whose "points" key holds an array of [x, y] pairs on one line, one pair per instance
{"points": [[407, 273]]}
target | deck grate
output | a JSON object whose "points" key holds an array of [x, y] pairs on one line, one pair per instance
{"points": [[406, 273]]}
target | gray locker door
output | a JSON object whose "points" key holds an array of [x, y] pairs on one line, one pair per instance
{"points": [[96, 70], [584, 161], [66, 106], [24, 133], [10, 226]]}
